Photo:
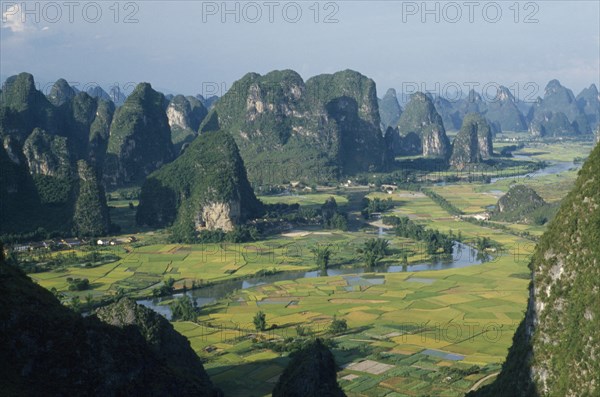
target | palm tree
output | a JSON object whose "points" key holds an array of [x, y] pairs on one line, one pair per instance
{"points": [[374, 250], [322, 255]]}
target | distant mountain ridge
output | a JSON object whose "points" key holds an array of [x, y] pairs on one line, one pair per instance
{"points": [[505, 112]]}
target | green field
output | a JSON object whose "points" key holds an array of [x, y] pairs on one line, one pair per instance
{"points": [[316, 199], [392, 319]]}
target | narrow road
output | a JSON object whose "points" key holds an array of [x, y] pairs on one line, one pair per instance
{"points": [[480, 381]]}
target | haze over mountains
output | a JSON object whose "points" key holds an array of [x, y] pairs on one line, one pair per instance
{"points": [[572, 115]]}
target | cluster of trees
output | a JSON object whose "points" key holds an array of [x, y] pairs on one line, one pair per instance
{"points": [[483, 243], [374, 250], [125, 194], [78, 284], [375, 205], [184, 309], [240, 234], [442, 202], [338, 326], [260, 321], [333, 218], [39, 234], [436, 241], [166, 289], [292, 213], [43, 261]]}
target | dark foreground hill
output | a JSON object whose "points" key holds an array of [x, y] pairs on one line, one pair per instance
{"points": [[48, 350]]}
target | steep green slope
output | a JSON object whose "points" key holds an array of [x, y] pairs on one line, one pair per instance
{"points": [[205, 188], [290, 130], [421, 118], [473, 143], [522, 204], [555, 350], [185, 115], [25, 108], [389, 110], [140, 138], [504, 111], [91, 216]]}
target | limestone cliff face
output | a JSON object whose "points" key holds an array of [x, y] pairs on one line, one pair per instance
{"points": [[205, 188], [484, 139], [466, 149], [219, 215], [566, 293], [435, 142], [18, 194], [421, 118], [177, 117], [288, 129], [185, 115], [11, 151], [47, 154], [473, 142]]}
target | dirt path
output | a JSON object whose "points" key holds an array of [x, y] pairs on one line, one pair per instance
{"points": [[480, 381]]}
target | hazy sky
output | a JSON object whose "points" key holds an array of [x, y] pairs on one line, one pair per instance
{"points": [[194, 47]]}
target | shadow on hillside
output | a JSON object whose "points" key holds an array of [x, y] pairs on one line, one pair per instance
{"points": [[515, 378]]}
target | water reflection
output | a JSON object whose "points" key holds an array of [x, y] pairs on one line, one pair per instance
{"points": [[462, 256]]}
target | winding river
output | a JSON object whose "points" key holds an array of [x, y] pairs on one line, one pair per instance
{"points": [[462, 256]]}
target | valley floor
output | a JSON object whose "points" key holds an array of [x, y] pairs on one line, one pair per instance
{"points": [[436, 333]]}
